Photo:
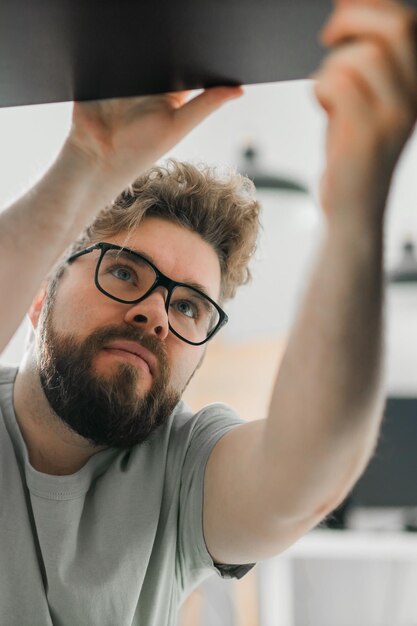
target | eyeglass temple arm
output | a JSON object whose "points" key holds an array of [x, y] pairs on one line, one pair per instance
{"points": [[81, 253]]}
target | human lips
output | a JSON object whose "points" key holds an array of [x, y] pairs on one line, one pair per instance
{"points": [[140, 354]]}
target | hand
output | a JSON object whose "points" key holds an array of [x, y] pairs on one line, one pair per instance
{"points": [[368, 88], [126, 136]]}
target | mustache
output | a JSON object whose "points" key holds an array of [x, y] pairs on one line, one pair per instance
{"points": [[101, 337], [85, 351]]}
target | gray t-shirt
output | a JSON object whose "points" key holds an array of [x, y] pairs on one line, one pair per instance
{"points": [[118, 543]]}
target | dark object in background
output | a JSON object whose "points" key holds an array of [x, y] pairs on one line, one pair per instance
{"points": [[406, 270], [390, 480], [337, 519], [59, 50], [262, 179]]}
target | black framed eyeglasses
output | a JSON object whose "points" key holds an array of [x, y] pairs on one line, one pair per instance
{"points": [[126, 276]]}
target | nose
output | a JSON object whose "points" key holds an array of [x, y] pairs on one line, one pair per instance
{"points": [[150, 314]]}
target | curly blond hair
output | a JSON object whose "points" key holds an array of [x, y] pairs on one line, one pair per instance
{"points": [[218, 205]]}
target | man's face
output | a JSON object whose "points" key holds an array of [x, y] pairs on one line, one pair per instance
{"points": [[90, 375]]}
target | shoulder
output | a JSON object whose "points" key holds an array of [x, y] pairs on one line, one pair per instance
{"points": [[210, 419], [193, 435]]}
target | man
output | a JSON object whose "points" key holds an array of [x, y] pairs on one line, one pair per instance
{"points": [[115, 499]]}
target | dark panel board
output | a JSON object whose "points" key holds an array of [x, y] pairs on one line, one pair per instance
{"points": [[60, 50], [390, 480]]}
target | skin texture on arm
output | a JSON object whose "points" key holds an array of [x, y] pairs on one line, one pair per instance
{"points": [[270, 481], [110, 143]]}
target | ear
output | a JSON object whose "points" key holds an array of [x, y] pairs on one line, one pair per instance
{"points": [[36, 305]]}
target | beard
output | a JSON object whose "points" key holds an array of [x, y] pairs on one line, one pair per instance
{"points": [[109, 410]]}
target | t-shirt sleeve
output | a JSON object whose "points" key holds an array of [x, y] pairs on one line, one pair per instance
{"points": [[194, 562]]}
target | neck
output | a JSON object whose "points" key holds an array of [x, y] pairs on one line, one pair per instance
{"points": [[52, 447]]}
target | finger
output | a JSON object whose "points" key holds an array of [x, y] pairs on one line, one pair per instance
{"points": [[347, 133], [358, 115], [379, 5], [197, 109], [375, 75], [179, 98], [390, 24], [340, 90], [386, 18]]}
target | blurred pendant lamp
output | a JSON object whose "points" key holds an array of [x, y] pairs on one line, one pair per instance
{"points": [[401, 322], [406, 270], [287, 241], [249, 166]]}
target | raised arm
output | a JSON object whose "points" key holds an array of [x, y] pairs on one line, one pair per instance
{"points": [[270, 481], [110, 143]]}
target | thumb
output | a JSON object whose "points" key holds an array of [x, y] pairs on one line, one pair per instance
{"points": [[197, 109]]}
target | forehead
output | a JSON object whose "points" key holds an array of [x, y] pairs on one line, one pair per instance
{"points": [[177, 251]]}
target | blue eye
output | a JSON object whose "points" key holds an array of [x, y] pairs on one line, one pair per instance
{"points": [[186, 308], [122, 273]]}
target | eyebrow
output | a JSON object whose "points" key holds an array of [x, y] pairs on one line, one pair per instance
{"points": [[147, 257]]}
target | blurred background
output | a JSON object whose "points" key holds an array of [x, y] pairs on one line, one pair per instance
{"points": [[360, 567]]}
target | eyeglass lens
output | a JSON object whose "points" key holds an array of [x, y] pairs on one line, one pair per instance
{"points": [[128, 277]]}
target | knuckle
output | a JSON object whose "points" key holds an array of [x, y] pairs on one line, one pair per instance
{"points": [[338, 70], [374, 55], [337, 82], [349, 80]]}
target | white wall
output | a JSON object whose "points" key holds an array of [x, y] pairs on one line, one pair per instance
{"points": [[284, 120]]}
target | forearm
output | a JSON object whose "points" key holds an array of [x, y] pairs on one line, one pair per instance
{"points": [[327, 402], [36, 230]]}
